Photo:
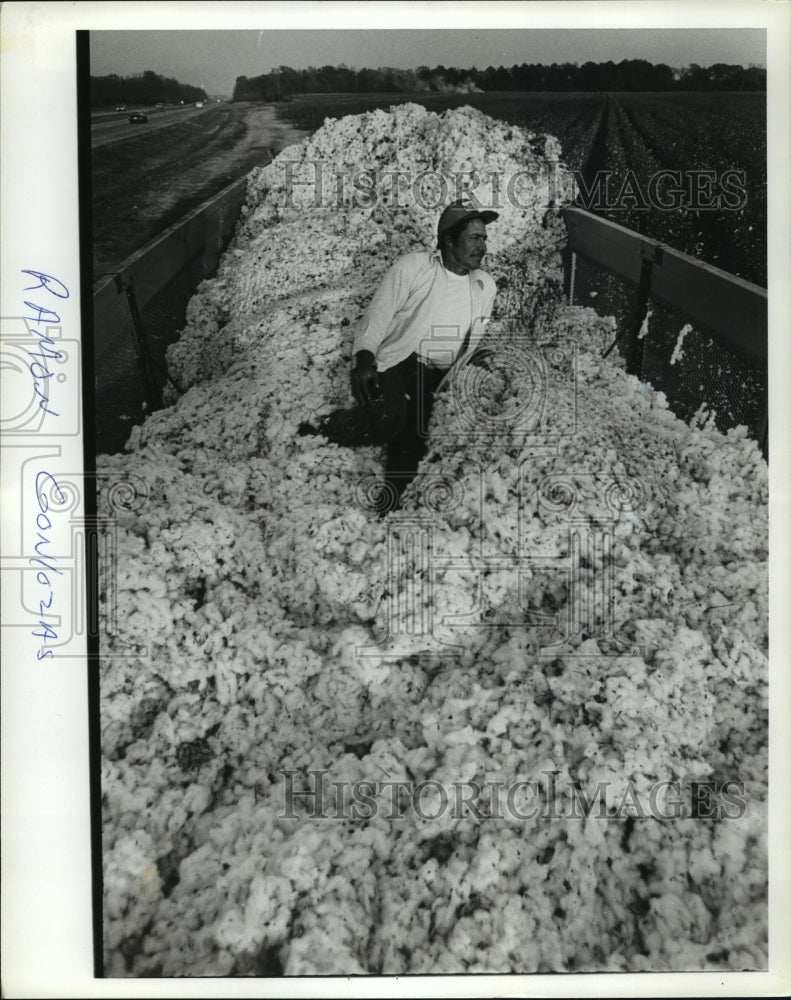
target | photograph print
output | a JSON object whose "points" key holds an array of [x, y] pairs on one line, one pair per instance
{"points": [[431, 456]]}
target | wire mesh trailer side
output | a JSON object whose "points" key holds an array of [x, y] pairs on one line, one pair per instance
{"points": [[138, 310], [691, 330]]}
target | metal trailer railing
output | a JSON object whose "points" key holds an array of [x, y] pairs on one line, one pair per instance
{"points": [[656, 293], [138, 309]]}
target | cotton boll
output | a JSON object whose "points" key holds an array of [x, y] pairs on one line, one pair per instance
{"points": [[256, 588], [319, 953], [132, 888]]}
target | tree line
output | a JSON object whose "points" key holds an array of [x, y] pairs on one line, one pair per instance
{"points": [[145, 89], [629, 74]]}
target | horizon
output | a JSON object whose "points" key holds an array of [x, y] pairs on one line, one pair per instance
{"points": [[200, 57], [571, 62]]}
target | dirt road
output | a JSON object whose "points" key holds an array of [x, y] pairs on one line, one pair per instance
{"points": [[148, 177]]}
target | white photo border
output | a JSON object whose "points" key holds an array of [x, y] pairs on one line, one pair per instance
{"points": [[47, 936]]}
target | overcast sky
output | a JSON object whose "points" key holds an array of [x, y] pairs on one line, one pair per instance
{"points": [[214, 59]]}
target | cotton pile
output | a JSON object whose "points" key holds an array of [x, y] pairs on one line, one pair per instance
{"points": [[261, 619]]}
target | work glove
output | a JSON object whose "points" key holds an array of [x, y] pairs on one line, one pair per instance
{"points": [[365, 379]]}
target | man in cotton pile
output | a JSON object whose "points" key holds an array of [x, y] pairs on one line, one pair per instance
{"points": [[427, 315]]}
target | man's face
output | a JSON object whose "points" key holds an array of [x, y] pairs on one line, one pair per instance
{"points": [[470, 248]]}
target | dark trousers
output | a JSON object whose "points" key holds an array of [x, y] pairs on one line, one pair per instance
{"points": [[399, 418], [416, 383]]}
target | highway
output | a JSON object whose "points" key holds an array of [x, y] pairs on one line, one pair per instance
{"points": [[114, 126], [146, 176]]}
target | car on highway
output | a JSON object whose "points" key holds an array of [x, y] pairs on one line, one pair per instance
{"points": [[121, 107], [138, 116]]}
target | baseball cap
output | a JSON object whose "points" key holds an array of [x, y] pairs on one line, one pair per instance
{"points": [[460, 211]]}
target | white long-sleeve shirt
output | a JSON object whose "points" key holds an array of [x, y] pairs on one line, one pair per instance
{"points": [[409, 310], [444, 341]]}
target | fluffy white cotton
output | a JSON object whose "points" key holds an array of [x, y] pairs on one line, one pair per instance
{"points": [[265, 632]]}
